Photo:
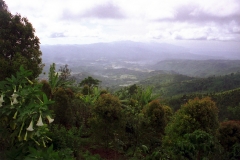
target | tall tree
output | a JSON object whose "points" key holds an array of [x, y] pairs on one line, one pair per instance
{"points": [[107, 119], [18, 44], [65, 72], [91, 82], [197, 118], [229, 138], [3, 5]]}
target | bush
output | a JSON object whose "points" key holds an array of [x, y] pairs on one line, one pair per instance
{"points": [[48, 154], [66, 138]]}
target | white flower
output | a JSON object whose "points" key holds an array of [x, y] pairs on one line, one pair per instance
{"points": [[30, 127], [14, 95], [50, 120], [1, 100], [15, 101], [39, 122]]}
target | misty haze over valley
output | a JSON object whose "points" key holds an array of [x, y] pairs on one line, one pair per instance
{"points": [[124, 63]]}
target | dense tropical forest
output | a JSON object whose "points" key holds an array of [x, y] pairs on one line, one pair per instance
{"points": [[174, 109]]}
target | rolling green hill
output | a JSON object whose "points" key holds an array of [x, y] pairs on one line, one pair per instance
{"points": [[228, 102], [199, 68], [175, 90], [175, 84]]}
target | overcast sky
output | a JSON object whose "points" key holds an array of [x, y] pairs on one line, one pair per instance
{"points": [[90, 21]]}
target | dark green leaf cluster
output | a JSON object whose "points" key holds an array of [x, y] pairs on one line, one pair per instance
{"points": [[89, 82], [18, 45], [191, 132], [48, 154]]}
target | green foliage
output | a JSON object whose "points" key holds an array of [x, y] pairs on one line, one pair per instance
{"points": [[46, 88], [90, 99], [235, 152], [58, 89], [107, 119], [229, 138], [108, 108], [23, 106], [168, 113], [16, 153], [90, 82], [136, 96], [82, 107], [196, 145], [62, 108], [65, 73], [48, 154], [234, 112], [80, 114], [134, 128], [145, 96], [227, 102], [55, 81], [18, 45], [195, 114], [200, 68], [86, 90], [190, 126], [156, 114], [143, 119], [156, 117], [168, 85], [156, 155], [133, 89], [88, 156], [64, 138]]}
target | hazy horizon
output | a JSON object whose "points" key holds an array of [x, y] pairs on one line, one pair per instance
{"points": [[216, 49], [202, 26], [92, 21]]}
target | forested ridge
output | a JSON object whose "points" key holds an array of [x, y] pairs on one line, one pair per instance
{"points": [[199, 68], [165, 115], [175, 84]]}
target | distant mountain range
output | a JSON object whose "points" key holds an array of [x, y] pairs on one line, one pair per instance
{"points": [[124, 50], [125, 63]]}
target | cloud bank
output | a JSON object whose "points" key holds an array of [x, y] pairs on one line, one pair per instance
{"points": [[140, 20]]}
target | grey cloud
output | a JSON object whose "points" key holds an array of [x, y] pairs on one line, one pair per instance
{"points": [[194, 14], [57, 35], [104, 11], [234, 30], [179, 37]]}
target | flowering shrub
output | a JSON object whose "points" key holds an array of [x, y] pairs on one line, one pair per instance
{"points": [[24, 110]]}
